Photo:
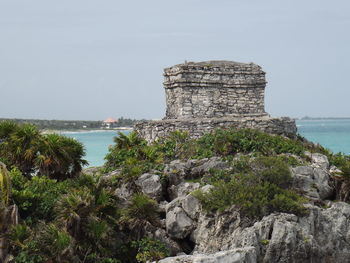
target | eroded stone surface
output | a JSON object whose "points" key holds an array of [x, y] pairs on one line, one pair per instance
{"points": [[203, 96], [150, 184], [313, 182], [240, 255], [214, 89], [321, 236], [178, 224]]}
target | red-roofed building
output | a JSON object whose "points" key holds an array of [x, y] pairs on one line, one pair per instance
{"points": [[109, 123]]}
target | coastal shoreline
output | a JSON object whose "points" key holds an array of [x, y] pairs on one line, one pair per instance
{"points": [[48, 131]]}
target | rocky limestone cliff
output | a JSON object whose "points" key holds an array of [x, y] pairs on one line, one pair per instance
{"points": [[195, 235]]}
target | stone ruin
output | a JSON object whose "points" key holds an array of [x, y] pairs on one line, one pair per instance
{"points": [[203, 96]]}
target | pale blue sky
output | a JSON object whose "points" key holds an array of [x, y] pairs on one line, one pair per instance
{"points": [[84, 59]]}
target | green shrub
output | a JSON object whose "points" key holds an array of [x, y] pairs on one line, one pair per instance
{"points": [[261, 189], [291, 160], [93, 257], [264, 242], [53, 242], [225, 142], [272, 170], [52, 155], [37, 196], [133, 155], [338, 159], [47, 242], [149, 250], [141, 209], [19, 234], [178, 145], [26, 257]]}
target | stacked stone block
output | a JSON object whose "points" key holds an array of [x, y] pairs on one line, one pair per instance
{"points": [[214, 89], [214, 94]]}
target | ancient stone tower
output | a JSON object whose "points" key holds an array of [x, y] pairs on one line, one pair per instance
{"points": [[207, 95]]}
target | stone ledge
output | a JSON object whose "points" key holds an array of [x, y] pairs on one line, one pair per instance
{"points": [[215, 71], [211, 84], [153, 130]]}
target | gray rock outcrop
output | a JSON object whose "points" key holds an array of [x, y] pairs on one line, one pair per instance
{"points": [[150, 185], [322, 236], [313, 182], [178, 224], [240, 255]]}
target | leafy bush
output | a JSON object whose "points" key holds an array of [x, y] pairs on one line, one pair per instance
{"points": [[53, 155], [60, 157], [54, 242], [178, 145], [133, 155], [258, 192], [36, 197], [226, 142], [141, 209], [272, 170], [26, 257], [47, 242], [19, 235], [149, 250]]}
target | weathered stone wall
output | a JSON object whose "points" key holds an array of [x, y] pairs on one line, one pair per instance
{"points": [[194, 102], [204, 96], [197, 127], [214, 89]]}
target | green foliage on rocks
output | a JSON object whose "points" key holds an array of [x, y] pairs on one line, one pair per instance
{"points": [[77, 220], [141, 209], [260, 186], [225, 142], [136, 156], [66, 216], [36, 197], [150, 250], [133, 155], [53, 155]]}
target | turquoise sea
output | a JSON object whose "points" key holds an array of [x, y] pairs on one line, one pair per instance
{"points": [[96, 144], [332, 134]]}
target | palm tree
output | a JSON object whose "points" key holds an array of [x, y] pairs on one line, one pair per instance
{"points": [[19, 146], [54, 155], [60, 157], [73, 209], [129, 141], [89, 215], [141, 211], [7, 128], [55, 243]]}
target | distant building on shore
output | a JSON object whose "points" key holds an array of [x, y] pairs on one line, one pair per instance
{"points": [[109, 123]]}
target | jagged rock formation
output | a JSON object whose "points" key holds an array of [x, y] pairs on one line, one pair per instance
{"points": [[240, 255], [323, 235], [214, 94]]}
